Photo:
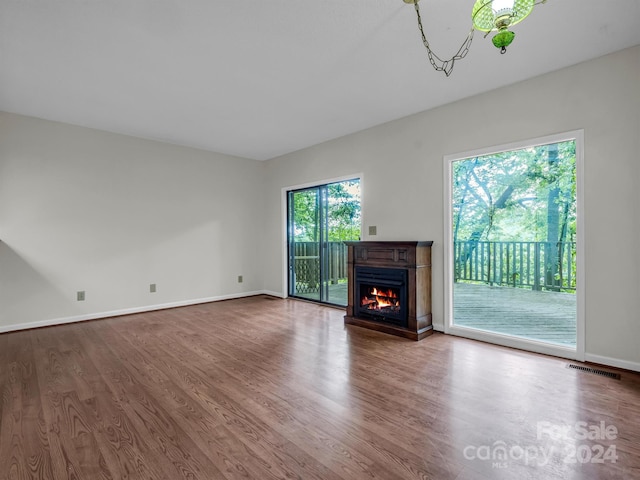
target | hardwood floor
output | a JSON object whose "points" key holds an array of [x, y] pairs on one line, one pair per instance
{"points": [[266, 388]]}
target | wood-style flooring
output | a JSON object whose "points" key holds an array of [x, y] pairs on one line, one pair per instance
{"points": [[262, 388]]}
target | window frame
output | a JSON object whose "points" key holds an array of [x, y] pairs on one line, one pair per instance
{"points": [[506, 340]]}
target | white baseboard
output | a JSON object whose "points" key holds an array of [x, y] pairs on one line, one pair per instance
{"points": [[129, 311], [612, 362], [274, 294], [589, 357]]}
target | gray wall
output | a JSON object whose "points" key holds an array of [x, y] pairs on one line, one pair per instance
{"points": [[82, 209], [600, 96]]}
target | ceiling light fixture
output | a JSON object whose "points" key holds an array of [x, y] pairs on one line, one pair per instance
{"points": [[487, 16]]}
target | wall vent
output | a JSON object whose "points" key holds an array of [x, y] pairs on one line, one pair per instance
{"points": [[604, 373]]}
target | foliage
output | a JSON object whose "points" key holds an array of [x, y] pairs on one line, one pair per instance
{"points": [[512, 195], [525, 195], [344, 211], [337, 203]]}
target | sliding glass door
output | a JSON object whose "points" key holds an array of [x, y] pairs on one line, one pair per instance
{"points": [[320, 219], [514, 244]]}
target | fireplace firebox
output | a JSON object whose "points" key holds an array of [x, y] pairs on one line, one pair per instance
{"points": [[381, 294], [389, 287]]}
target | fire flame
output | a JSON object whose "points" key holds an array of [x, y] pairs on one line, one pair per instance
{"points": [[379, 299]]}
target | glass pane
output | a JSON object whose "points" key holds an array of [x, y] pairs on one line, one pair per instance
{"points": [[343, 224], [304, 243], [321, 219], [514, 243]]}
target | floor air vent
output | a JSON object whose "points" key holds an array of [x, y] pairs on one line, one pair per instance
{"points": [[604, 373]]}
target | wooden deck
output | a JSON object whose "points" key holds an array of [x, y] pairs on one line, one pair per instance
{"points": [[545, 316], [337, 295]]}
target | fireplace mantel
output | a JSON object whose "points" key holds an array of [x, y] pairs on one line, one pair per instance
{"points": [[415, 258]]}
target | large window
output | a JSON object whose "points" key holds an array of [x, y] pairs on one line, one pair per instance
{"points": [[320, 220], [513, 244]]}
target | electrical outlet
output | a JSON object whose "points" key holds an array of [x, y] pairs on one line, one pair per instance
{"points": [[239, 278], [80, 296], [373, 230], [152, 288]]}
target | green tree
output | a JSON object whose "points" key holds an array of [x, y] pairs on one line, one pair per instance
{"points": [[526, 195], [342, 202], [516, 195], [305, 215], [344, 211]]}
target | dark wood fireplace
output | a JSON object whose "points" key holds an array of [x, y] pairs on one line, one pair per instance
{"points": [[390, 287]]}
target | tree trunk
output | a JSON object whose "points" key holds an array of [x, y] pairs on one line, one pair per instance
{"points": [[553, 221]]}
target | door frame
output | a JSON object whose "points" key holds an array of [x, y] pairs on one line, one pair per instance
{"points": [[502, 339], [285, 220], [321, 197]]}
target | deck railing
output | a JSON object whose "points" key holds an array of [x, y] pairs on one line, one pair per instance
{"points": [[535, 265], [307, 265]]}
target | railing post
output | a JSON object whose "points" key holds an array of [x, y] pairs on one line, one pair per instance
{"points": [[489, 263], [570, 247], [508, 264], [536, 266], [560, 266]]}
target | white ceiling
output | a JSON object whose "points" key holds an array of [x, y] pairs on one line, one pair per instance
{"points": [[260, 78]]}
